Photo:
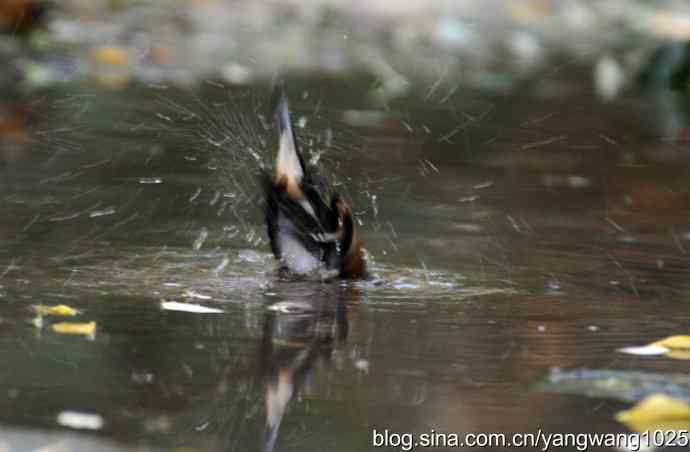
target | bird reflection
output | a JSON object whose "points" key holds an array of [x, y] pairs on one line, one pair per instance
{"points": [[297, 339]]}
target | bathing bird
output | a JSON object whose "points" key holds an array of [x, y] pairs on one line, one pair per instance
{"points": [[309, 233]]}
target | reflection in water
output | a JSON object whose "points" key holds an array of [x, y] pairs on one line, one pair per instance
{"points": [[297, 339]]}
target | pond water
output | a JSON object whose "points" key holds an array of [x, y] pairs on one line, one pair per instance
{"points": [[507, 235]]}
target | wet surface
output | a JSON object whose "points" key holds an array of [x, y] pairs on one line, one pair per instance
{"points": [[507, 236]]}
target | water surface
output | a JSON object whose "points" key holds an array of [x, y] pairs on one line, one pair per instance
{"points": [[507, 236]]}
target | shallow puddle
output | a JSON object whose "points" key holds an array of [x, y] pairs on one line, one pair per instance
{"points": [[506, 236]]}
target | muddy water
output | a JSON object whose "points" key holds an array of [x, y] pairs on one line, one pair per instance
{"points": [[506, 236]]}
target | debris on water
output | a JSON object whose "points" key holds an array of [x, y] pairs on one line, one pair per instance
{"points": [[593, 328], [201, 238], [541, 328], [302, 122], [80, 421], [102, 212], [150, 180], [645, 350], [362, 365], [78, 328], [58, 310], [188, 307]]}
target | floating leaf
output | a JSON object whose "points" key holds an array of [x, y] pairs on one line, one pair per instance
{"points": [[59, 309], [84, 329], [645, 350], [657, 412], [189, 307], [85, 421], [677, 347]]}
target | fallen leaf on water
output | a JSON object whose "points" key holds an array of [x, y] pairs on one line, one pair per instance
{"points": [[84, 421], [677, 347], [645, 350], [656, 412], [59, 309], [84, 329], [188, 307]]}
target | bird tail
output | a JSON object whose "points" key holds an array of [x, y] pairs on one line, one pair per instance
{"points": [[289, 168]]}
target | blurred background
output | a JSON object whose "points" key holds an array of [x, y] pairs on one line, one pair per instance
{"points": [[497, 46]]}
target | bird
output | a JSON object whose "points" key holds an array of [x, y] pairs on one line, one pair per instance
{"points": [[308, 233]]}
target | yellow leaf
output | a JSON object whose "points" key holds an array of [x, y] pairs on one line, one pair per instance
{"points": [[656, 412], [679, 354], [85, 329], [59, 309], [674, 342]]}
